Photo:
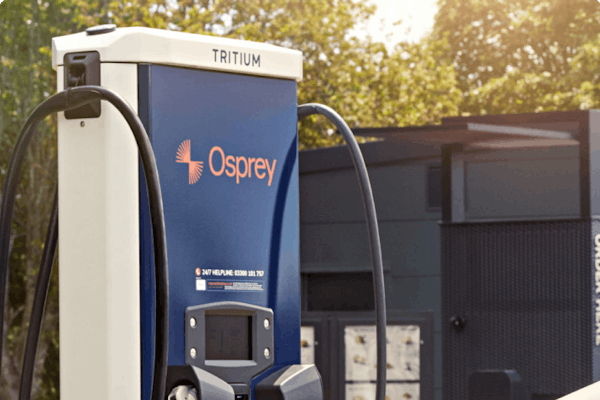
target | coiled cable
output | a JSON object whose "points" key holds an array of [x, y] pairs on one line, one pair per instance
{"points": [[65, 100]]}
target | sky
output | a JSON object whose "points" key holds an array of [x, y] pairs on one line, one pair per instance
{"points": [[417, 19]]}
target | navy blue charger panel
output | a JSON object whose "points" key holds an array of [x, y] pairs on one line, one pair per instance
{"points": [[226, 149]]}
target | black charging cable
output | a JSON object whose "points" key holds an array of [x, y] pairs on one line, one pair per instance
{"points": [[367, 193], [39, 303], [68, 99]]}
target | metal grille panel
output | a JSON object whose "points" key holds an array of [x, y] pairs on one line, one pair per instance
{"points": [[524, 290]]}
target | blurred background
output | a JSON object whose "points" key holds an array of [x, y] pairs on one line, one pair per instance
{"points": [[379, 64]]}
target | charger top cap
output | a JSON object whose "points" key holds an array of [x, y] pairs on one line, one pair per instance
{"points": [[156, 46]]}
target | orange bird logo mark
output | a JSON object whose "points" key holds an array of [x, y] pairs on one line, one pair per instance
{"points": [[184, 155]]}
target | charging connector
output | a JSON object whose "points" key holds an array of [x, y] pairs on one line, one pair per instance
{"points": [[183, 392], [83, 69]]}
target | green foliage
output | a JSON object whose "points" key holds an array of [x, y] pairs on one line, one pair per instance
{"points": [[581, 86], [517, 92], [516, 55], [26, 78], [352, 76], [514, 92], [50, 389]]}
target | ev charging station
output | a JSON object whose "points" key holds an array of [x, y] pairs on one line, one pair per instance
{"points": [[216, 119], [222, 118]]}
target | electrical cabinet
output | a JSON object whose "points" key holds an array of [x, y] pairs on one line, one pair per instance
{"points": [[343, 346]]}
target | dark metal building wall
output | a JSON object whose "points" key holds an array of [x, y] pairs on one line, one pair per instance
{"points": [[333, 236], [524, 290], [507, 184]]}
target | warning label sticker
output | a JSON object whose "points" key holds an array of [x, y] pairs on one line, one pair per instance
{"points": [[259, 273], [252, 286]]}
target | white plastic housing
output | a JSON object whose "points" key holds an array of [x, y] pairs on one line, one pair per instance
{"points": [[99, 280], [99, 296], [145, 45]]}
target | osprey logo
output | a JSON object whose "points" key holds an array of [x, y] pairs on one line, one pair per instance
{"points": [[184, 155], [238, 167]]}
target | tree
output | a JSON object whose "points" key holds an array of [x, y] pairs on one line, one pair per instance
{"points": [[349, 74], [580, 88], [514, 43], [26, 78]]}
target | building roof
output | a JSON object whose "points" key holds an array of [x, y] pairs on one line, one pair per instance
{"points": [[472, 135]]}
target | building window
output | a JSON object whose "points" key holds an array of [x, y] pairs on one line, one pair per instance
{"points": [[352, 291], [434, 187]]}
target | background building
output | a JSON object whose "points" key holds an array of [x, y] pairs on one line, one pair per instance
{"points": [[487, 218]]}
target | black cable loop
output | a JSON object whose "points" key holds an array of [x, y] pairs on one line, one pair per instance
{"points": [[68, 99], [372, 229], [67, 92]]}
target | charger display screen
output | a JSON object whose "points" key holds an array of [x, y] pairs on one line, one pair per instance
{"points": [[228, 337]]}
